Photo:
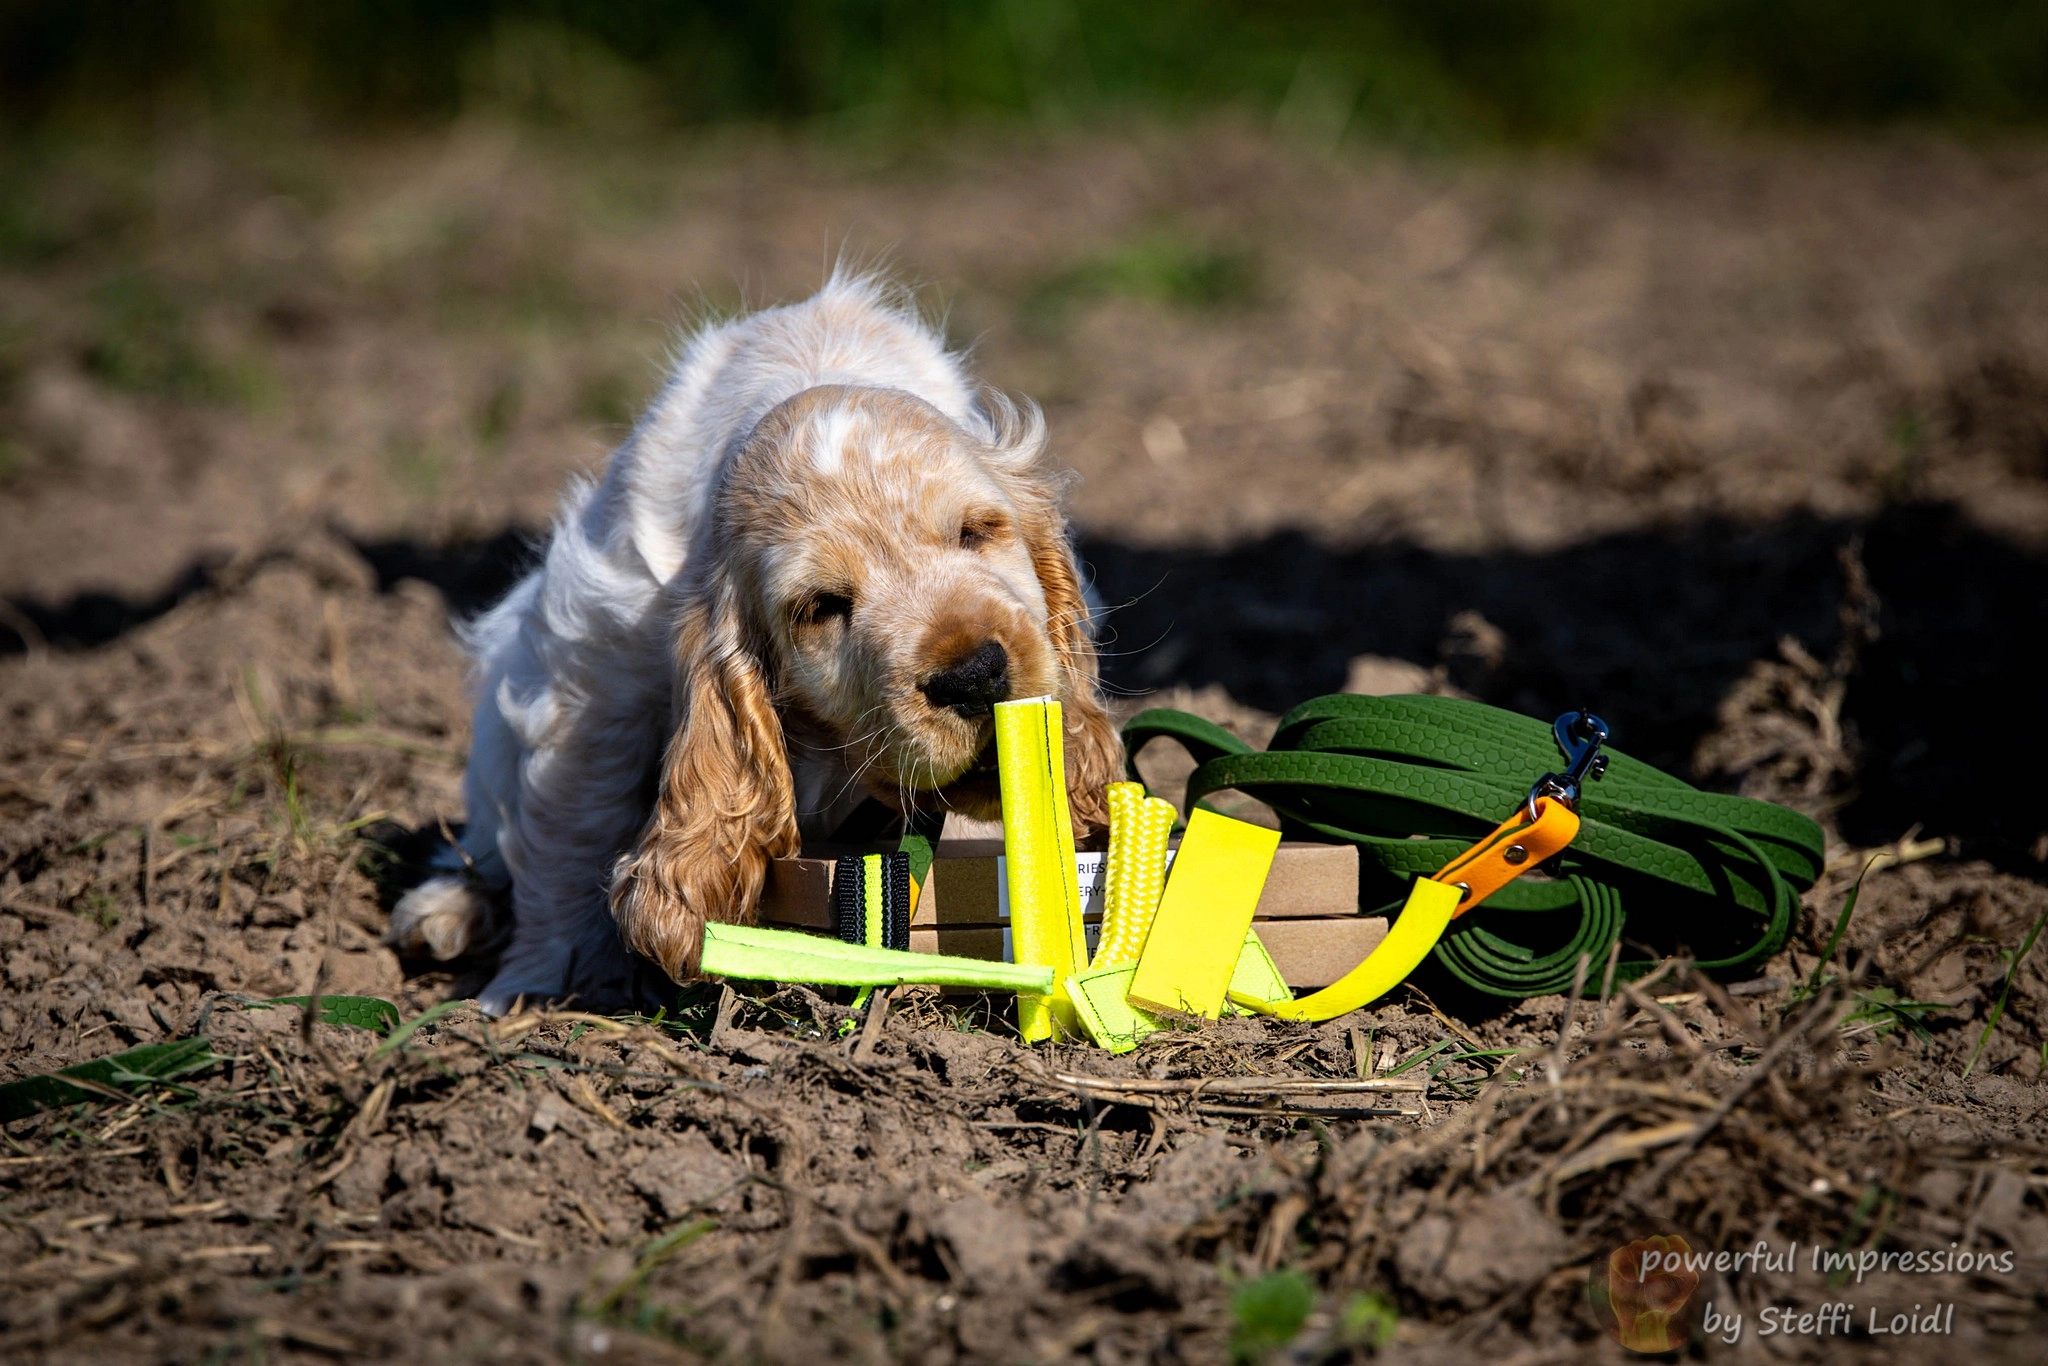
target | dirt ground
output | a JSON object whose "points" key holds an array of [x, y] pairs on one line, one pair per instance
{"points": [[1745, 446]]}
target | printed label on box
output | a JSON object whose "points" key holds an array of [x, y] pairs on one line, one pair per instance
{"points": [[1088, 868]]}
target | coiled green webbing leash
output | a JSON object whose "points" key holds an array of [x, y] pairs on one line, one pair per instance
{"points": [[1657, 864]]}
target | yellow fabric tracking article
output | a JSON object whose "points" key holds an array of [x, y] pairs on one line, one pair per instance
{"points": [[1134, 875], [1134, 871], [1038, 848], [1415, 932], [763, 955], [872, 902], [1101, 995], [1204, 915], [1101, 998], [874, 921], [1256, 975]]}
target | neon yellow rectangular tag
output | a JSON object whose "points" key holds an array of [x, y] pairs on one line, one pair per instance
{"points": [[1101, 998], [871, 901], [1038, 849], [1204, 915], [1255, 975]]}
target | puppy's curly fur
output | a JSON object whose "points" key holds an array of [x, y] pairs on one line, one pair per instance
{"points": [[818, 560]]}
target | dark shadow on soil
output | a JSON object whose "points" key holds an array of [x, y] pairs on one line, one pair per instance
{"points": [[1649, 629], [95, 618], [471, 574]]}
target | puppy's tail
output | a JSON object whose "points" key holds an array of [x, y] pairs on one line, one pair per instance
{"points": [[443, 918]]}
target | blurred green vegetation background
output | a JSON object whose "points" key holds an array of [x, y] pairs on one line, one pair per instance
{"points": [[1445, 72]]}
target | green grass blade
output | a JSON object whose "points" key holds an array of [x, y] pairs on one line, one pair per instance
{"points": [[148, 1065], [1421, 1056], [656, 1252], [405, 1031], [1841, 928], [2012, 968]]}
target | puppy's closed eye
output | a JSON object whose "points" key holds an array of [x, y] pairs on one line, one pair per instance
{"points": [[822, 609], [978, 529]]}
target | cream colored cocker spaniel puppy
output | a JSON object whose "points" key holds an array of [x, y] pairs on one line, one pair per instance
{"points": [[820, 558]]}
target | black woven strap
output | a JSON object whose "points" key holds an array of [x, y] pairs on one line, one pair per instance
{"points": [[883, 880]]}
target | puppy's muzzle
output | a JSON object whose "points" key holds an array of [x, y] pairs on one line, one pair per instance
{"points": [[971, 686]]}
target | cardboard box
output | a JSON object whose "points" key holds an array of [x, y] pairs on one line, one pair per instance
{"points": [[1307, 914], [1315, 951]]}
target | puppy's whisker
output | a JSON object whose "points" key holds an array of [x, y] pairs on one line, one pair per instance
{"points": [[1101, 653], [857, 740], [910, 808], [865, 736], [856, 776], [1111, 609], [1104, 654]]}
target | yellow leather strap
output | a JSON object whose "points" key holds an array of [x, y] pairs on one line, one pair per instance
{"points": [[1515, 846], [1415, 932]]}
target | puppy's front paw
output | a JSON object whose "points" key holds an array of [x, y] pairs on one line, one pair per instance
{"points": [[442, 918]]}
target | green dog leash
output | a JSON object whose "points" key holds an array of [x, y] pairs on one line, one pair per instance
{"points": [[1412, 781]]}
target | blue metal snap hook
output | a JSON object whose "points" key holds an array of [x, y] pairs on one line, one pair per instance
{"points": [[1579, 734]]}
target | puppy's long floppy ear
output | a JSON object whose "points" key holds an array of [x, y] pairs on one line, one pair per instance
{"points": [[725, 805], [1095, 752]]}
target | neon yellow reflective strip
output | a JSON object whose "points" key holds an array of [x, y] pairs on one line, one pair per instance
{"points": [[1134, 872], [871, 901], [1415, 932], [1038, 848], [1204, 915], [871, 932], [1256, 975], [761, 955], [1101, 998], [1101, 995]]}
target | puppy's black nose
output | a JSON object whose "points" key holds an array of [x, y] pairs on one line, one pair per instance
{"points": [[973, 685]]}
